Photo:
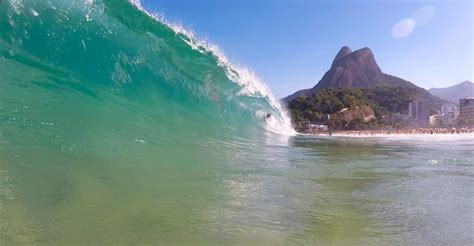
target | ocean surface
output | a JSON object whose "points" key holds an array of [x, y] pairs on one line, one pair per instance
{"points": [[118, 127]]}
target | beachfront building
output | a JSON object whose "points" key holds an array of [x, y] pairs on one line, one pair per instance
{"points": [[317, 127], [419, 113], [436, 121], [450, 113], [466, 107], [448, 108]]}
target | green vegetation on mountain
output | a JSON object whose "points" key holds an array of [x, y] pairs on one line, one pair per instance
{"points": [[351, 108], [340, 108], [326, 101], [388, 100], [412, 91]]}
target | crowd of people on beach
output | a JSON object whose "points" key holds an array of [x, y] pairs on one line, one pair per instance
{"points": [[441, 130], [417, 131]]}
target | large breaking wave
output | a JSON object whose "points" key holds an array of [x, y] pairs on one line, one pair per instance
{"points": [[80, 54], [102, 99]]}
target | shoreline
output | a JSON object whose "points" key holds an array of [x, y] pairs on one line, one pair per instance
{"points": [[393, 133]]}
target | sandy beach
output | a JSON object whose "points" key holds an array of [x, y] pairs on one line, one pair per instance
{"points": [[398, 133]]}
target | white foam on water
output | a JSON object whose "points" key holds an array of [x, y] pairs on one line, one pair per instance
{"points": [[272, 123], [34, 13], [250, 84], [17, 6]]}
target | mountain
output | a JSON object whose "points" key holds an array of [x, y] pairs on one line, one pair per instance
{"points": [[356, 69], [359, 69], [455, 92]]}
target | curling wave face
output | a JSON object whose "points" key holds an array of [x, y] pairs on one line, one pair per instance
{"points": [[93, 53]]}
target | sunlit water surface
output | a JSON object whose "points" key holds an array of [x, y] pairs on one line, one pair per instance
{"points": [[301, 190]]}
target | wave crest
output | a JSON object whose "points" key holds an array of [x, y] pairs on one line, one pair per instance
{"points": [[250, 84]]}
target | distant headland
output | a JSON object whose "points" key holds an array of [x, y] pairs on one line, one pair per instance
{"points": [[354, 94]]}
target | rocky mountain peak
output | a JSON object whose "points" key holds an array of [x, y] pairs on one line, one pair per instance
{"points": [[355, 69], [343, 52], [352, 69]]}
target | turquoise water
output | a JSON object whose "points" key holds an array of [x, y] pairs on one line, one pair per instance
{"points": [[116, 128]]}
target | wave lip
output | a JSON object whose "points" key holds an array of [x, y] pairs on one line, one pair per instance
{"points": [[250, 84]]}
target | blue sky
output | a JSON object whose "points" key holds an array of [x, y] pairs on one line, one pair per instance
{"points": [[291, 44]]}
